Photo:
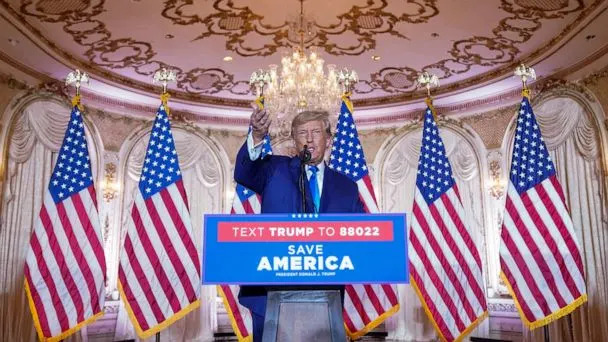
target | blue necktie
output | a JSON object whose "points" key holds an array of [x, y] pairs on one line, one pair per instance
{"points": [[314, 187]]}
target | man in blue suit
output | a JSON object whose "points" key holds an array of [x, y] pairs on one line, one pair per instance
{"points": [[277, 180]]}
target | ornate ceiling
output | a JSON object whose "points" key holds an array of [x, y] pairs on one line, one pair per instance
{"points": [[467, 43]]}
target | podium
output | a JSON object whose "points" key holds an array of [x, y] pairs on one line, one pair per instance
{"points": [[304, 315], [303, 260]]}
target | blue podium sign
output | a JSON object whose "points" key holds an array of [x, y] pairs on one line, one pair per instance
{"points": [[299, 249]]}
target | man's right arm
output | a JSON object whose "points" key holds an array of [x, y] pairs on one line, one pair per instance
{"points": [[251, 169]]}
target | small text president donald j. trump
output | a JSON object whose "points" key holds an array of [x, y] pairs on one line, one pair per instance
{"points": [[276, 179]]}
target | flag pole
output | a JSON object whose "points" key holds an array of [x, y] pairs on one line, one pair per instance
{"points": [[525, 73], [77, 77], [164, 76], [347, 79], [570, 330], [260, 79], [429, 80]]}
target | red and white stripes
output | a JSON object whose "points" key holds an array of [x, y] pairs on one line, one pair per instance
{"points": [[539, 254], [65, 266], [445, 265], [240, 316], [251, 206], [366, 193], [159, 270], [366, 306]]}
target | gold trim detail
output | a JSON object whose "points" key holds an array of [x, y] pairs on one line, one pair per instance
{"points": [[467, 331], [64, 334], [547, 319], [157, 328]]}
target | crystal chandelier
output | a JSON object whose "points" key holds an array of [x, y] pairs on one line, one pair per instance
{"points": [[301, 83]]}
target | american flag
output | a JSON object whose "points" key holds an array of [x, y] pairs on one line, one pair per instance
{"points": [[539, 254], [159, 274], [445, 266], [365, 306], [65, 265], [245, 201]]}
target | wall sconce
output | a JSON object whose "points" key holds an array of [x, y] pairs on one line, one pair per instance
{"points": [[109, 185], [497, 185]]}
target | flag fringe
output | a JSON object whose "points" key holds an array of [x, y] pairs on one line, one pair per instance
{"points": [[467, 331], [472, 326], [235, 327], [157, 328], [371, 325], [547, 319], [64, 334], [426, 308]]}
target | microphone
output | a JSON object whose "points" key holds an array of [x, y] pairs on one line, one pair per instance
{"points": [[304, 158], [305, 155]]}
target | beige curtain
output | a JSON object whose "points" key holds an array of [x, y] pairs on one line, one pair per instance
{"points": [[37, 133], [573, 138]]}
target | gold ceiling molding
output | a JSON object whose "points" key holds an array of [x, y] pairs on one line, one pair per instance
{"points": [[78, 19], [498, 49], [12, 83], [211, 81], [560, 86], [595, 77], [235, 23], [47, 85]]}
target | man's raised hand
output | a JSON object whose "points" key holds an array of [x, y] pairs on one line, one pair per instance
{"points": [[260, 121]]}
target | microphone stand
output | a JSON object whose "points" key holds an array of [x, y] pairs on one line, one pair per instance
{"points": [[304, 158]]}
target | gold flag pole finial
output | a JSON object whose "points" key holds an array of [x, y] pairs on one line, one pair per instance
{"points": [[164, 76], [77, 78], [429, 80], [525, 73], [346, 79], [260, 79]]}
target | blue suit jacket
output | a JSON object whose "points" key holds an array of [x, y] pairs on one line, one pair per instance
{"points": [[276, 178]]}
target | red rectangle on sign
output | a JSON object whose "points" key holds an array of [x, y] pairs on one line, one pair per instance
{"points": [[282, 231]]}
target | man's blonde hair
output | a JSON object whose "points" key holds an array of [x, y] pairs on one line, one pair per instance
{"points": [[311, 115]]}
